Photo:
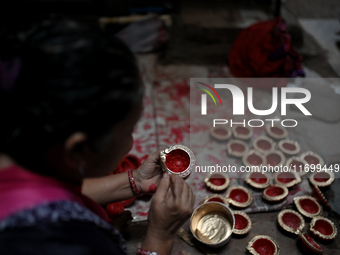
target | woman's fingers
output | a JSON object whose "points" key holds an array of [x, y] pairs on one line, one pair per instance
{"points": [[163, 188], [177, 186]]}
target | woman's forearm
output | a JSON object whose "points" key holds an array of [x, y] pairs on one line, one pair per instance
{"points": [[108, 189]]}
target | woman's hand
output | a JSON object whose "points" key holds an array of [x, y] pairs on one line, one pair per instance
{"points": [[149, 174], [171, 206]]}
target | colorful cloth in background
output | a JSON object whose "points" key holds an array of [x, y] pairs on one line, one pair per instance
{"points": [[265, 50]]}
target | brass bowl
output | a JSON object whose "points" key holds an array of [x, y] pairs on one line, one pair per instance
{"points": [[212, 224]]}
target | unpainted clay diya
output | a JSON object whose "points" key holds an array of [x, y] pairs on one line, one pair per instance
{"points": [[264, 144], [254, 158], [275, 158], [323, 228], [322, 178], [216, 198], [289, 147], [308, 206], [242, 223], [243, 133], [239, 196], [275, 193], [276, 132], [263, 245], [312, 158], [220, 133], [291, 221], [257, 180], [237, 148], [288, 179], [217, 182], [297, 165], [178, 159]]}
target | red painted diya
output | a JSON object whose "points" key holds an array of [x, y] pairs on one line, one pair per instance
{"points": [[291, 221], [313, 159], [275, 193], [289, 147], [237, 148], [287, 179], [242, 223], [254, 158], [322, 178], [275, 158], [263, 245], [309, 244], [178, 159], [263, 144], [308, 206], [217, 182], [276, 132], [243, 133], [220, 133], [258, 180], [323, 228], [297, 165], [321, 196], [239, 196], [216, 198]]}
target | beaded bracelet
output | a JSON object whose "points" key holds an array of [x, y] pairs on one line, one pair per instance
{"points": [[146, 252], [133, 184]]}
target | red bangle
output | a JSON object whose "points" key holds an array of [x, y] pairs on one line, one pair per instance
{"points": [[133, 184], [146, 252]]}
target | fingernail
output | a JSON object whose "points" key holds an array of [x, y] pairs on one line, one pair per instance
{"points": [[165, 175]]}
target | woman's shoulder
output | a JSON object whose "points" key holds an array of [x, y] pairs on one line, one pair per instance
{"points": [[63, 227]]}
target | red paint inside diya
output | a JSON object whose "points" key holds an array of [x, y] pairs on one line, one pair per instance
{"points": [[323, 227], [309, 206], [177, 160], [291, 220], [242, 130], [216, 199], [258, 177], [276, 130], [312, 242], [285, 177], [221, 131], [239, 195], [321, 177], [312, 160], [217, 179], [273, 159], [264, 247], [297, 165], [254, 159], [274, 191], [237, 147], [289, 146], [240, 222], [264, 145]]}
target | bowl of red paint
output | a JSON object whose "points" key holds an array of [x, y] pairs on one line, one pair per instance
{"points": [[323, 228], [178, 159], [239, 196], [263, 245], [291, 221], [217, 182]]}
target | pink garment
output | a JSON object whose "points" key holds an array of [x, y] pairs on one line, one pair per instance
{"points": [[21, 189]]}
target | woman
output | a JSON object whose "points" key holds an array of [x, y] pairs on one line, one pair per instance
{"points": [[70, 97]]}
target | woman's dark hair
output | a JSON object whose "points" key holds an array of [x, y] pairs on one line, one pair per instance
{"points": [[70, 78]]}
